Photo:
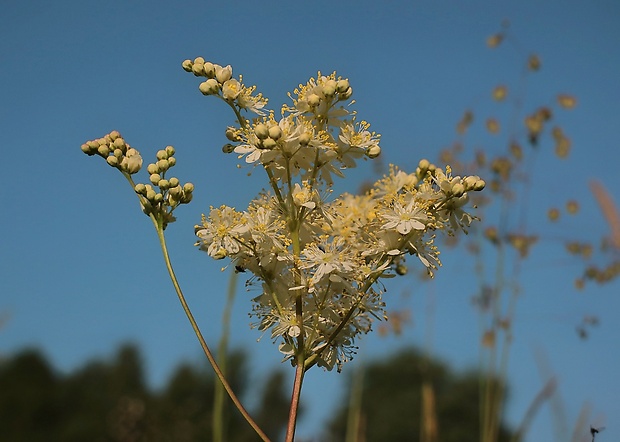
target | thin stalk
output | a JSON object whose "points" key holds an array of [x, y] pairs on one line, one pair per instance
{"points": [[203, 343], [292, 417], [222, 356]]}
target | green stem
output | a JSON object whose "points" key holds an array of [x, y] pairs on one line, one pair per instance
{"points": [[222, 356], [203, 343]]}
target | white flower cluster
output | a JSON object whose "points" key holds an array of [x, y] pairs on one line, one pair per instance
{"points": [[319, 262]]}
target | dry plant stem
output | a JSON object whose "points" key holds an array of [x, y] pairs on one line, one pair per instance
{"points": [[203, 343]]}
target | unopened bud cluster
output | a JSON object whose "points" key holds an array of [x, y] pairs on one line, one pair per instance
{"points": [[116, 152], [220, 82], [163, 194]]}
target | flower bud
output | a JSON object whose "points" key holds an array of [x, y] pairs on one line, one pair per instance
{"points": [[155, 178], [261, 131], [209, 87], [104, 150], [161, 155], [232, 134], [373, 151], [199, 60], [305, 138], [275, 132], [470, 182], [175, 192], [140, 189], [118, 143], [171, 162], [223, 74], [480, 184], [174, 182], [424, 164], [346, 94], [170, 150], [150, 194], [86, 149], [329, 88], [112, 161], [114, 135], [163, 184], [152, 168], [163, 165], [269, 143], [209, 69], [458, 189], [158, 198], [313, 100], [198, 69], [228, 148], [188, 187], [342, 86], [187, 65]]}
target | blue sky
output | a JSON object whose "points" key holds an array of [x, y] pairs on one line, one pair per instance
{"points": [[80, 267]]}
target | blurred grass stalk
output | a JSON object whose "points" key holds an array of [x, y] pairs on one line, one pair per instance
{"points": [[222, 356]]}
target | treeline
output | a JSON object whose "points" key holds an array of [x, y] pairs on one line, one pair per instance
{"points": [[108, 400]]}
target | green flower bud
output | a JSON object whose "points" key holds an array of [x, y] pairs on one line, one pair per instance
{"points": [[261, 131], [269, 143], [458, 189], [198, 69], [346, 94], [313, 100], [86, 149], [305, 138], [104, 150], [228, 148], [171, 162], [155, 178], [163, 165], [373, 151], [112, 161], [140, 189], [188, 187], [163, 184], [187, 65], [470, 182], [170, 150], [231, 134], [119, 143], [342, 86], [209, 69], [174, 181], [175, 191], [275, 132], [158, 198], [209, 87], [161, 155], [152, 168], [186, 198], [329, 88]]}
